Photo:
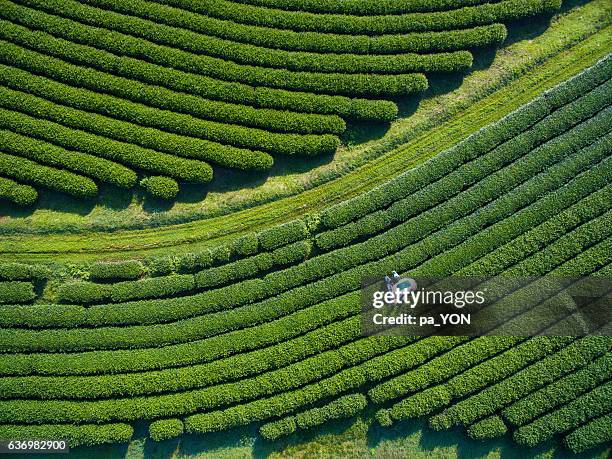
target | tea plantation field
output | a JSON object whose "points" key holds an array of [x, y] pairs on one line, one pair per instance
{"points": [[143, 302]]}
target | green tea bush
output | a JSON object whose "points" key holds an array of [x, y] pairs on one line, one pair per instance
{"points": [[81, 435], [47, 153], [570, 416], [124, 270], [160, 187], [20, 271], [166, 429], [197, 85], [22, 195], [16, 292], [56, 179], [590, 435], [491, 427]]}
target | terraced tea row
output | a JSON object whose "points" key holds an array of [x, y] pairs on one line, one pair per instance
{"points": [[268, 330], [175, 82]]}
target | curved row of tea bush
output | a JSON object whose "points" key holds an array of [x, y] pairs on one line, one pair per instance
{"points": [[593, 433], [481, 141], [559, 392], [590, 405], [256, 56], [33, 173], [132, 134], [490, 427], [147, 53], [16, 292], [167, 122], [74, 77], [343, 407], [506, 10], [362, 7], [197, 85], [540, 373], [420, 42], [21, 271], [46, 153], [186, 169], [487, 166], [253, 314], [173, 285], [22, 195]]}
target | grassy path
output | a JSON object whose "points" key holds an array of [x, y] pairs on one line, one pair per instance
{"points": [[521, 71]]}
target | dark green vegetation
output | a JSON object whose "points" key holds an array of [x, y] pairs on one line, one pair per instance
{"points": [[124, 92], [265, 328]]}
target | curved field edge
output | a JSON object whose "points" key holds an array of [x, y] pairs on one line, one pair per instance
{"points": [[526, 68]]}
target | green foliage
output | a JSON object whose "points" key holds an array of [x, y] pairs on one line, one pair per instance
{"points": [[590, 405], [362, 7], [312, 41], [125, 45], [166, 429], [16, 292], [125, 270], [559, 392], [47, 153], [160, 187], [222, 51], [343, 407], [149, 160], [490, 427], [192, 84], [283, 234], [20, 271], [590, 435], [507, 10], [56, 179], [83, 293], [22, 195]]}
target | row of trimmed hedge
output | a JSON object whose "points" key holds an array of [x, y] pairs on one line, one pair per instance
{"points": [[420, 42], [570, 416], [172, 285], [148, 53], [160, 187], [169, 123], [212, 372], [18, 193], [27, 171], [483, 168], [362, 7], [81, 435], [249, 244], [185, 169], [259, 57], [537, 375], [346, 380], [176, 404], [166, 99], [16, 292], [491, 427], [504, 11], [590, 435], [482, 141], [21, 271], [165, 429], [196, 85], [133, 134], [109, 271], [444, 367], [284, 330], [559, 392], [46, 153], [343, 407], [269, 309]]}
